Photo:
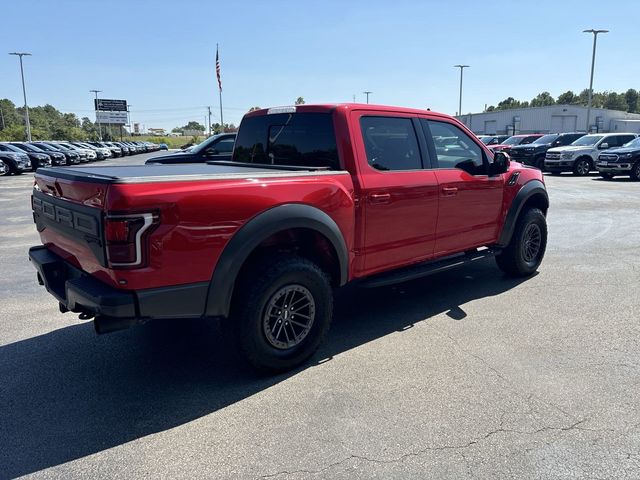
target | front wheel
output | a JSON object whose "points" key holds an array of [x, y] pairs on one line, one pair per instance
{"points": [[282, 313], [526, 249], [635, 172], [581, 167]]}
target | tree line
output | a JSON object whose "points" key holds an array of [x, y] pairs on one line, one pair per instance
{"points": [[627, 101], [47, 123]]}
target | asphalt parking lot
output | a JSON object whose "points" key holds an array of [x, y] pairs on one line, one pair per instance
{"points": [[466, 374]]}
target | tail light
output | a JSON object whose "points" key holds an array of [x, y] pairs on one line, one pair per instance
{"points": [[126, 238]]}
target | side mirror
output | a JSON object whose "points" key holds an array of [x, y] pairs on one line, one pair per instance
{"points": [[500, 163], [603, 146]]}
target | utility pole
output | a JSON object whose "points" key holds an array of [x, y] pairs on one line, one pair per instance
{"points": [[461, 67], [129, 119], [209, 108], [367, 94], [24, 94], [97, 118], [2, 117], [593, 63], [354, 98]]}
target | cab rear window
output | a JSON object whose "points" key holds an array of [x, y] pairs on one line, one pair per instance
{"points": [[288, 139]]}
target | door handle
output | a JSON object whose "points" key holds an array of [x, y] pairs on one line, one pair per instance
{"points": [[380, 198], [449, 191]]}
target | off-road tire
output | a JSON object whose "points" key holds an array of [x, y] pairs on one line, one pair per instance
{"points": [[259, 287], [635, 171], [517, 259]]}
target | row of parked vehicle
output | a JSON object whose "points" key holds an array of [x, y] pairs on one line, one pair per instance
{"points": [[610, 154], [19, 157]]}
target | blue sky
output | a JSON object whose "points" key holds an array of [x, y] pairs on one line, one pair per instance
{"points": [[160, 55]]}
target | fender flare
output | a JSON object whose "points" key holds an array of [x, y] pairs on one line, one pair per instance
{"points": [[529, 190], [256, 230]]}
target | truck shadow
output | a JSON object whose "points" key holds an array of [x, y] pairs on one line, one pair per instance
{"points": [[68, 394]]}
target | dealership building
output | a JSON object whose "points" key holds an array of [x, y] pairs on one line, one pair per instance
{"points": [[550, 119]]}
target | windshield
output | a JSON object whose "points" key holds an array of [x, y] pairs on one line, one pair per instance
{"points": [[486, 139], [288, 139], [546, 139], [49, 148], [513, 141], [587, 140], [28, 147], [633, 143], [204, 144], [9, 147]]}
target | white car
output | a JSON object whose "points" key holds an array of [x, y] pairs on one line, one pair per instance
{"points": [[90, 154], [580, 157]]}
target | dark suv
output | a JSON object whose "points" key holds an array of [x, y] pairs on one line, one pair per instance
{"points": [[534, 153], [216, 147], [624, 160]]}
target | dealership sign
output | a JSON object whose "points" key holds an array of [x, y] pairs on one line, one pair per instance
{"points": [[107, 105], [116, 118]]}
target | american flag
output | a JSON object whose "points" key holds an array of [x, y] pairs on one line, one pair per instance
{"points": [[218, 69]]}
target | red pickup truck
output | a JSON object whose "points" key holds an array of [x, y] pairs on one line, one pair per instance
{"points": [[314, 197]]}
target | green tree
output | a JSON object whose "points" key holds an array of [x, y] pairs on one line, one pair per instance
{"points": [[299, 101], [568, 98], [615, 101], [193, 126], [543, 99], [631, 98]]}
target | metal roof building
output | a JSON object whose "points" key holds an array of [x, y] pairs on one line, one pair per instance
{"points": [[550, 119]]}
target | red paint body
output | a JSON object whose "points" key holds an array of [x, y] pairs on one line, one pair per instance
{"points": [[388, 219]]}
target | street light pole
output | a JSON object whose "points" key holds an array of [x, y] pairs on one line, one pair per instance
{"points": [[461, 67], [593, 63], [24, 94], [367, 94], [97, 118]]}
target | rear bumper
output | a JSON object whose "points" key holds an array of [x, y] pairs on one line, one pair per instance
{"points": [[113, 309]]}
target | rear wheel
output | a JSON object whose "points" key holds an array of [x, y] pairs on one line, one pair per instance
{"points": [[5, 169], [282, 313], [635, 171], [526, 249], [582, 167], [539, 163]]}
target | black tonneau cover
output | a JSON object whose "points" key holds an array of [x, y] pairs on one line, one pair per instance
{"points": [[162, 173]]}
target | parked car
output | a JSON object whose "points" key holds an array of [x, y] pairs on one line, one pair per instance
{"points": [[101, 152], [533, 154], [89, 153], [115, 151], [37, 159], [57, 158], [84, 158], [17, 163], [493, 139], [163, 146], [624, 160], [581, 156], [512, 141], [216, 147], [71, 157], [314, 197]]}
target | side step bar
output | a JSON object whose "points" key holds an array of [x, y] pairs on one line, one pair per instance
{"points": [[428, 268]]}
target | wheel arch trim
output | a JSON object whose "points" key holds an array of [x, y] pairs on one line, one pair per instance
{"points": [[254, 232], [533, 188]]}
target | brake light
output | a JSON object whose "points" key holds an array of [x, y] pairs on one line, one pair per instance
{"points": [[125, 238]]}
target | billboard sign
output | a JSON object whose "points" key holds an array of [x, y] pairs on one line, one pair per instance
{"points": [[116, 118], [107, 105]]}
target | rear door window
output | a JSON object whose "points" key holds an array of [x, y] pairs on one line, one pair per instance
{"points": [[391, 143], [288, 139]]}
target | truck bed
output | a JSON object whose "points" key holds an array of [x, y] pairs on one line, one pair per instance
{"points": [[170, 172]]}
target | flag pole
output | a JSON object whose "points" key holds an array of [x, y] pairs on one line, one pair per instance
{"points": [[219, 88]]}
